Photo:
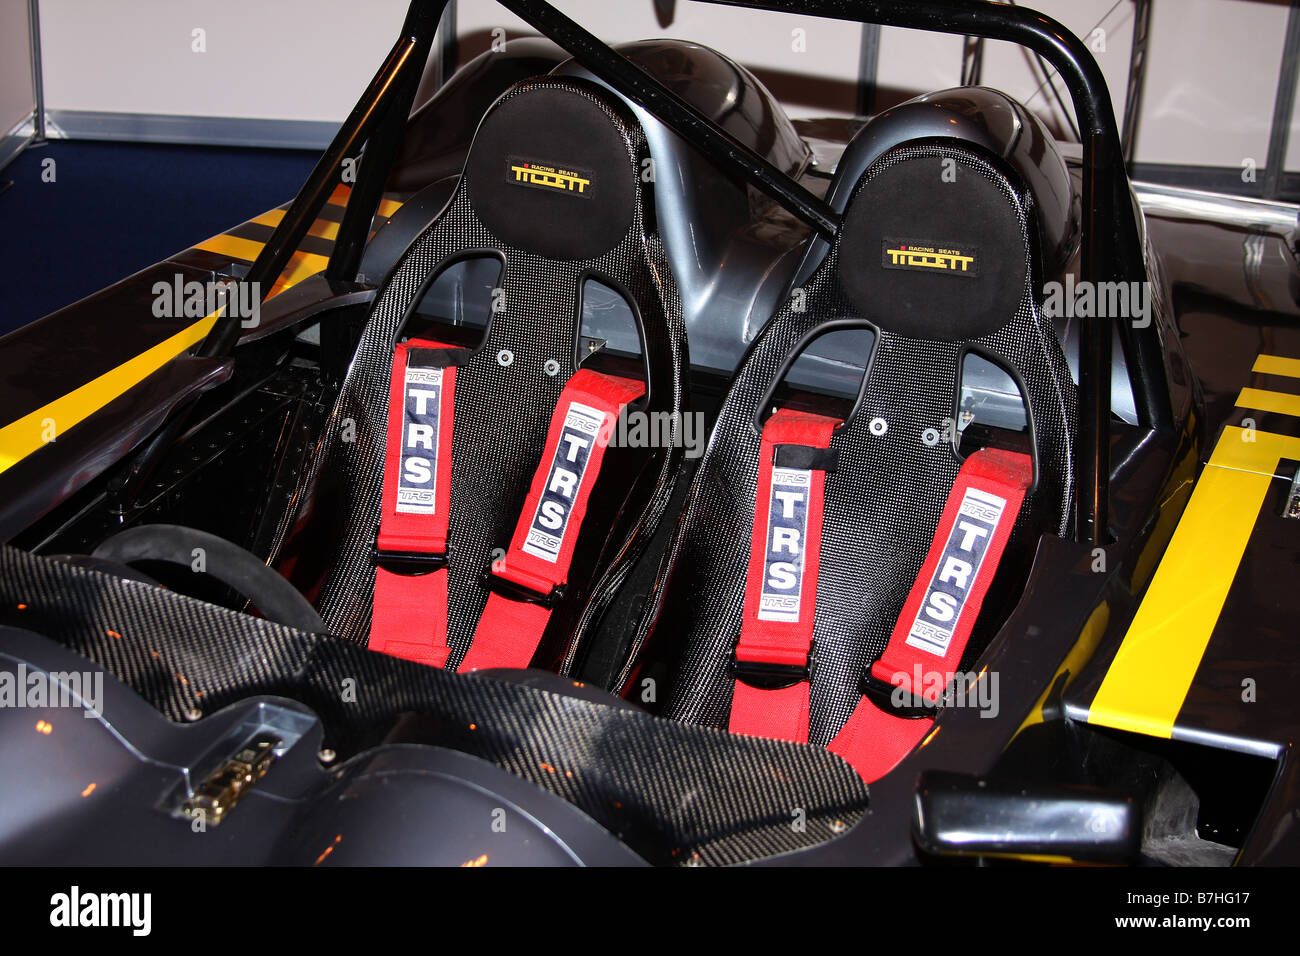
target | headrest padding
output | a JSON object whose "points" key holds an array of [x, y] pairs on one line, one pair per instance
{"points": [[552, 173], [932, 247]]}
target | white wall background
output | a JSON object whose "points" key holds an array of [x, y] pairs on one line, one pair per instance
{"points": [[17, 98], [1212, 67], [264, 59]]}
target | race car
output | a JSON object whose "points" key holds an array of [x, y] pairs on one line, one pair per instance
{"points": [[593, 465]]}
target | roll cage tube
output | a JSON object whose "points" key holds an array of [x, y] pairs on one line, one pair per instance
{"points": [[378, 120], [1111, 247]]}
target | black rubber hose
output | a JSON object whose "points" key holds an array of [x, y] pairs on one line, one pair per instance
{"points": [[230, 564]]}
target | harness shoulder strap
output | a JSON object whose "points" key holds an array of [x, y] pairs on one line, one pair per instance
{"points": [[774, 656], [526, 584], [931, 633], [409, 619]]}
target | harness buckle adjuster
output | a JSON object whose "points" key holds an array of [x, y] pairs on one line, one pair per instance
{"points": [[409, 563], [882, 693], [764, 675], [514, 591]]}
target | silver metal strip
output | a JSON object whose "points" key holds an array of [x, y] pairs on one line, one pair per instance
{"points": [[1175, 202], [38, 71], [206, 130], [1204, 738]]}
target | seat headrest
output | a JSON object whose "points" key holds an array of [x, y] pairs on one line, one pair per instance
{"points": [[554, 169], [932, 245]]}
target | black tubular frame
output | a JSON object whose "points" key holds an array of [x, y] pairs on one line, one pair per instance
{"points": [[1111, 251], [1137, 75], [379, 121]]}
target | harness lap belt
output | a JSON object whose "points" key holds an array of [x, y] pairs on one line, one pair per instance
{"points": [[410, 605], [940, 612], [531, 578], [774, 656]]}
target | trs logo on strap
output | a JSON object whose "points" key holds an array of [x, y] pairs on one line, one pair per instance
{"points": [[418, 479], [787, 529], [957, 571], [582, 424]]}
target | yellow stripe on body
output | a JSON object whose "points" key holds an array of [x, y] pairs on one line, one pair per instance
{"points": [[1277, 365], [340, 198], [247, 249], [1145, 687], [1084, 645], [301, 265], [20, 438], [1269, 401], [233, 246], [321, 228]]}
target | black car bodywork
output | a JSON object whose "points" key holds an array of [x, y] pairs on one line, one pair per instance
{"points": [[1144, 713]]}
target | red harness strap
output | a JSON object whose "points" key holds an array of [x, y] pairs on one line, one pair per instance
{"points": [[526, 583], [773, 661], [939, 614], [410, 606]]}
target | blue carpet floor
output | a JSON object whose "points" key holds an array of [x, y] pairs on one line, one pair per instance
{"points": [[115, 208]]}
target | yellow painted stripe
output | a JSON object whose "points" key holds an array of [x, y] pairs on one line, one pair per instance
{"points": [[247, 249], [340, 198], [1146, 684], [301, 265], [20, 438], [321, 228], [233, 246], [24, 436], [1277, 365], [1269, 401], [1084, 645]]}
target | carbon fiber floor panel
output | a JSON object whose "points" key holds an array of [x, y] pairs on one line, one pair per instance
{"points": [[675, 793]]}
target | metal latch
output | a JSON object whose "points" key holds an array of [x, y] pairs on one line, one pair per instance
{"points": [[215, 796], [1292, 507]]}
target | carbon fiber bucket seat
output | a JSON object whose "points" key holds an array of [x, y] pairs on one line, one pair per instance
{"points": [[938, 257], [553, 190]]}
